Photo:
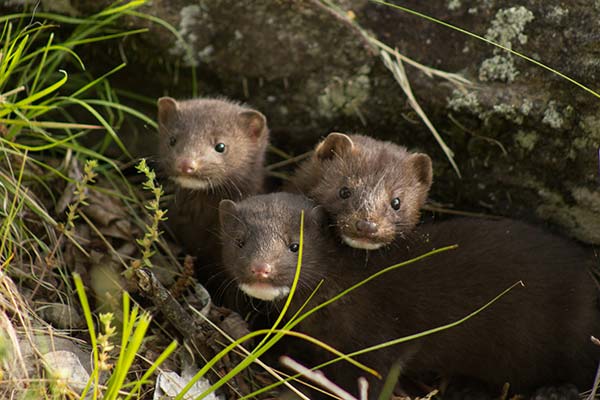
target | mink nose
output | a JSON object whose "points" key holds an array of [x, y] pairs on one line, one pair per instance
{"points": [[367, 227], [261, 270], [187, 166]]}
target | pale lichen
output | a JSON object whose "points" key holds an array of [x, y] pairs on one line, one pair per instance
{"points": [[526, 140], [192, 17], [508, 26], [554, 117], [498, 68], [464, 101], [345, 95], [454, 5], [557, 13], [526, 107]]}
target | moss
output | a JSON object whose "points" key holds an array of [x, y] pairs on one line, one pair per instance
{"points": [[586, 198], [581, 220], [590, 124], [578, 221], [526, 140], [345, 96]]}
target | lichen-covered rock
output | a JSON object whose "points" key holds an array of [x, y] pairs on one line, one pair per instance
{"points": [[524, 138]]}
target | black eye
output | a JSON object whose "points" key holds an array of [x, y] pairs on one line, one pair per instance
{"points": [[172, 141], [294, 247], [219, 148], [240, 243], [395, 203], [345, 192]]}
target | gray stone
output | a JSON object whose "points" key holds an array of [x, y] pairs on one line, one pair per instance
{"points": [[518, 132]]}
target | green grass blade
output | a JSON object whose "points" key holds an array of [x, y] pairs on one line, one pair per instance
{"points": [[97, 80], [129, 110], [87, 314], [57, 48], [31, 98], [120, 9], [103, 38], [253, 356], [11, 60], [102, 121]]}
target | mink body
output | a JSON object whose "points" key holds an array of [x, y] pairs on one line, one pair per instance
{"points": [[372, 189], [212, 149], [535, 335]]}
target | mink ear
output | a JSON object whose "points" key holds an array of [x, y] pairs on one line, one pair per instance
{"points": [[253, 123], [318, 215], [167, 110], [335, 144], [227, 215], [421, 164]]}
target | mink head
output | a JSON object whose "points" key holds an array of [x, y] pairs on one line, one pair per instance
{"points": [[261, 243], [372, 189], [211, 144]]}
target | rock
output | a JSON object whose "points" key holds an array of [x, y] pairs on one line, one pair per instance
{"points": [[62, 316], [66, 367], [169, 384], [525, 139]]}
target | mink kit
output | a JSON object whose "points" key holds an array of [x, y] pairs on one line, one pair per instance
{"points": [[212, 149], [372, 189], [533, 336]]}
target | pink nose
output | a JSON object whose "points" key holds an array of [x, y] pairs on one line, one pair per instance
{"points": [[261, 270], [186, 166], [367, 227]]}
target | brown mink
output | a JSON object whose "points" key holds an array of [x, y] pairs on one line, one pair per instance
{"points": [[373, 189], [535, 335], [212, 149]]}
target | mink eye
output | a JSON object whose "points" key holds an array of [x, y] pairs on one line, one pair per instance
{"points": [[345, 192], [240, 243], [220, 147], [395, 203], [172, 141], [294, 247]]}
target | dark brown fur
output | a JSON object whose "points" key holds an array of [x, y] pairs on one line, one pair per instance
{"points": [[535, 335], [375, 172], [189, 132]]}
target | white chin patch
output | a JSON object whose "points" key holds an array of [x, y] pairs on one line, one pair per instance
{"points": [[191, 183], [361, 244], [264, 291]]}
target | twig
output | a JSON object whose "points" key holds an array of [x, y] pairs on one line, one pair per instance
{"points": [[289, 161], [172, 310], [443, 210]]}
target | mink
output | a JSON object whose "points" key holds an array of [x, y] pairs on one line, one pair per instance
{"points": [[212, 149], [534, 335], [372, 189]]}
